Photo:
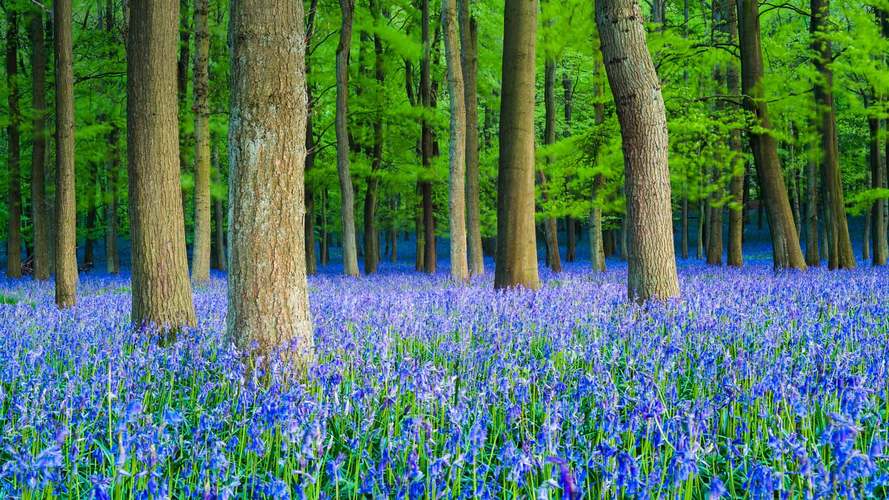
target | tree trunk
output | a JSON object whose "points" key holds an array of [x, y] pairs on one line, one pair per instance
{"points": [[571, 237], [200, 257], [469, 63], [38, 150], [160, 288], [550, 229], [597, 241], [311, 260], [700, 240], [786, 252], [350, 251], [841, 256], [426, 145], [371, 241], [813, 256], [324, 247], [66, 208], [865, 247], [457, 153], [516, 263], [112, 258], [14, 195], [684, 236], [640, 110], [877, 211], [268, 304]]}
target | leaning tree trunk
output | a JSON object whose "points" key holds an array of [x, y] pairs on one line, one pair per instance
{"points": [[457, 153], [14, 199], [200, 257], [350, 251], [877, 211], [469, 63], [640, 109], [516, 263], [66, 207], [38, 150], [550, 229], [841, 255], [161, 289], [786, 252], [268, 304]]}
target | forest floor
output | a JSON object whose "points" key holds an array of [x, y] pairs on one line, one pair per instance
{"points": [[752, 383]]}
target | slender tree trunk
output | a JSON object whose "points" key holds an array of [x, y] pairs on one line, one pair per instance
{"points": [[66, 208], [268, 304], [161, 289], [182, 85], [571, 237], [427, 146], [457, 153], [865, 239], [350, 251], [324, 247], [311, 260], [469, 63], [684, 243], [841, 256], [550, 229], [597, 240], [200, 257], [700, 240], [516, 263], [877, 211], [813, 257], [112, 258], [640, 109], [371, 241], [38, 150], [736, 187], [14, 195], [786, 250]]}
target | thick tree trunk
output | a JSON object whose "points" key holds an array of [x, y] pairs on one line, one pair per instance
{"points": [[200, 257], [426, 145], [38, 151], [640, 109], [550, 229], [14, 194], [877, 211], [469, 63], [268, 294], [841, 255], [161, 289], [457, 153], [350, 251], [786, 250], [66, 208], [516, 263]]}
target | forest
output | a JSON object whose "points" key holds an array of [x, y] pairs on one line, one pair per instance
{"points": [[444, 249]]}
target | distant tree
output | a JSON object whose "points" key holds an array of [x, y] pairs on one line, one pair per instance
{"points": [[160, 288], [786, 251], [39, 213], [550, 229], [14, 193], [350, 251], [200, 258], [841, 254], [66, 207], [457, 156], [426, 143], [371, 239], [112, 256], [640, 110], [516, 263], [268, 298]]}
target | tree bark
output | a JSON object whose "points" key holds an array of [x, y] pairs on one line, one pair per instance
{"points": [[160, 288], [571, 237], [311, 259], [640, 109], [786, 252], [841, 255], [268, 294], [550, 229], [66, 208], [597, 240], [350, 251], [457, 153], [469, 63], [38, 150], [877, 211], [736, 187], [371, 240], [427, 147], [200, 258], [14, 194], [813, 256], [516, 263], [112, 257]]}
